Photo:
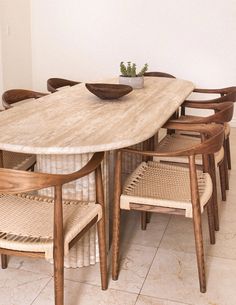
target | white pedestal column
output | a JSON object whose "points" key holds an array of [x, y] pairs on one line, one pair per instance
{"points": [[85, 252]]}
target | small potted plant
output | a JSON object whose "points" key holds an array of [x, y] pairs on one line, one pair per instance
{"points": [[129, 75]]}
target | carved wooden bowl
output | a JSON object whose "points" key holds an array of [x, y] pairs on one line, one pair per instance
{"points": [[109, 91]]}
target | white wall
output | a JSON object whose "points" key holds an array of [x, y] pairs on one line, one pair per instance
{"points": [[16, 44], [86, 39]]}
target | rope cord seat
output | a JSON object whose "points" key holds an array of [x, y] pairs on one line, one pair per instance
{"points": [[32, 228], [184, 118], [164, 185], [175, 142]]}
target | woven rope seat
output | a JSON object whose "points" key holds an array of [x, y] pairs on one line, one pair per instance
{"points": [[189, 117], [177, 142], [164, 185], [32, 229], [15, 160]]}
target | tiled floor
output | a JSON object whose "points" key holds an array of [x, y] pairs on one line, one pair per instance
{"points": [[158, 266]]}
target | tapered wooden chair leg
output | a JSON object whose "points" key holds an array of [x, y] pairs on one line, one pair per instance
{"points": [[147, 145], [116, 218], [227, 144], [222, 180], [143, 220], [148, 217], [101, 229], [226, 167], [199, 249], [58, 249], [197, 222], [211, 225], [214, 193], [59, 280], [4, 261]]}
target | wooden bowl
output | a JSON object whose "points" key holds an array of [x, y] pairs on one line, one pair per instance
{"points": [[109, 91]]}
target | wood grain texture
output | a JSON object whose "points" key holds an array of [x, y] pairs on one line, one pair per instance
{"points": [[74, 121]]}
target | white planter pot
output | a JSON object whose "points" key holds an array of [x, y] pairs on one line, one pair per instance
{"points": [[134, 82]]}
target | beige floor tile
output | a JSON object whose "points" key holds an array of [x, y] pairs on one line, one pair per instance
{"points": [[173, 276], [83, 294], [144, 300], [179, 234], [31, 264], [131, 229], [18, 287], [135, 263]]}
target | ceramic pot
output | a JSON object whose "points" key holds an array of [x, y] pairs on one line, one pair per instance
{"points": [[134, 82]]}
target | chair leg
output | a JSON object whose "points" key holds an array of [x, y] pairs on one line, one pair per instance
{"points": [[116, 218], [148, 145], [102, 253], [199, 248], [211, 225], [58, 248], [143, 220], [222, 180], [226, 167], [101, 225], [148, 218], [227, 144], [214, 193], [4, 261], [197, 222], [59, 279]]}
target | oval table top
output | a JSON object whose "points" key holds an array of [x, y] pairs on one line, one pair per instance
{"points": [[74, 121]]}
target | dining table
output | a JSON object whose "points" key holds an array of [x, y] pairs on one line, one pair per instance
{"points": [[65, 128]]}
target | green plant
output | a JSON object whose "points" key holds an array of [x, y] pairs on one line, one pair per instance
{"points": [[129, 70]]}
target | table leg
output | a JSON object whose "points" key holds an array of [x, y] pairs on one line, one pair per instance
{"points": [[85, 252]]}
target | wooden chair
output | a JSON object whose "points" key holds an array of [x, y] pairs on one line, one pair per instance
{"points": [[159, 74], [54, 84], [227, 94], [47, 227], [14, 96], [223, 113], [164, 188], [12, 159]]}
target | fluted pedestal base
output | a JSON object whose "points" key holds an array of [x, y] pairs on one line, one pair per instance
{"points": [[85, 252]]}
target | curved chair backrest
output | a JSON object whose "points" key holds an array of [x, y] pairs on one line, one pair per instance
{"points": [[53, 84], [159, 74], [221, 91], [231, 96], [15, 181], [213, 134], [223, 112], [12, 96]]}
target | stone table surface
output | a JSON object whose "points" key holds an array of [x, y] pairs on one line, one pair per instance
{"points": [[74, 121]]}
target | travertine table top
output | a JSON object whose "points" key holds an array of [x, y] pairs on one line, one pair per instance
{"points": [[74, 121]]}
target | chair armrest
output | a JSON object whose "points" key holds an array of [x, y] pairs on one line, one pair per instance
{"points": [[214, 138], [16, 181], [200, 105], [220, 91]]}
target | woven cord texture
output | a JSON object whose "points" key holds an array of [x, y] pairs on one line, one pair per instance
{"points": [[163, 181], [29, 219]]}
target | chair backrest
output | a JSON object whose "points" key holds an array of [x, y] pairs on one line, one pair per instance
{"points": [[230, 96], [12, 96], [53, 84], [221, 91], [159, 74], [223, 112], [213, 140], [16, 181]]}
